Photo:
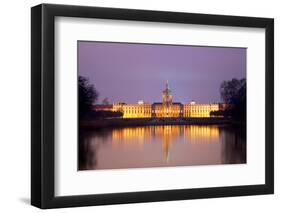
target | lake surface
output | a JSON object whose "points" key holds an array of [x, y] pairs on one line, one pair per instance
{"points": [[158, 146]]}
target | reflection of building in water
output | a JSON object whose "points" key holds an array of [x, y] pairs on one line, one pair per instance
{"points": [[201, 134], [167, 134], [167, 108], [132, 135]]}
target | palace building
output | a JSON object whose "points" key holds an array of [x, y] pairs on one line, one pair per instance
{"points": [[165, 109]]}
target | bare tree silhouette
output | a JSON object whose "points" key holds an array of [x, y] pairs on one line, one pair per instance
{"points": [[87, 96]]}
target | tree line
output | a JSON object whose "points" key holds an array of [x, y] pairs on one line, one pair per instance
{"points": [[88, 95], [232, 92]]}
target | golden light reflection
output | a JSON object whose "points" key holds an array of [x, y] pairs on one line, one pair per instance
{"points": [[167, 134], [201, 134]]}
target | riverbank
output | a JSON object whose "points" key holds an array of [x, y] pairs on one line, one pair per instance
{"points": [[129, 122]]}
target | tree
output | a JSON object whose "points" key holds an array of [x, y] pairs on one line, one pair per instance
{"points": [[234, 93], [87, 96], [231, 90], [105, 101]]}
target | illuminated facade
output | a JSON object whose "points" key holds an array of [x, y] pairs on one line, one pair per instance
{"points": [[199, 110], [139, 110], [166, 108]]}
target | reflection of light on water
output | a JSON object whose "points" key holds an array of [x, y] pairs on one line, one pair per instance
{"points": [[130, 135], [167, 134], [168, 140], [201, 134], [150, 146]]}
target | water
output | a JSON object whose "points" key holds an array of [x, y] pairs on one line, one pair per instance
{"points": [[158, 146]]}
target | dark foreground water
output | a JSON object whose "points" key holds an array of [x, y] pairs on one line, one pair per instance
{"points": [[155, 146]]}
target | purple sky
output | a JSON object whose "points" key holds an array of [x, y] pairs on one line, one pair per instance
{"points": [[125, 72]]}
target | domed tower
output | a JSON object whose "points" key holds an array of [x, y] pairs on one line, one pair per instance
{"points": [[167, 101]]}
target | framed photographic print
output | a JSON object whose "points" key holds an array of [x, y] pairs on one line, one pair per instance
{"points": [[139, 106]]}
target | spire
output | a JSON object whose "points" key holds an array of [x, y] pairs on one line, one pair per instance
{"points": [[167, 90]]}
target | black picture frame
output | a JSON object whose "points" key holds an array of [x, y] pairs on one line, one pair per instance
{"points": [[43, 102]]}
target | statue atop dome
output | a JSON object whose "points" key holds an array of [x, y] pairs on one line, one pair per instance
{"points": [[167, 100]]}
